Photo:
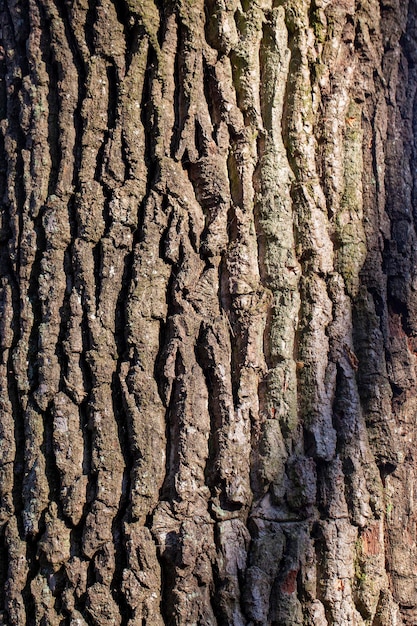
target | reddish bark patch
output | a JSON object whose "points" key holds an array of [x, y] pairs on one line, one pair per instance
{"points": [[396, 325], [412, 345], [370, 540], [290, 583]]}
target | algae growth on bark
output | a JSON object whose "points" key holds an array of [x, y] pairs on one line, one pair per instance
{"points": [[208, 300]]}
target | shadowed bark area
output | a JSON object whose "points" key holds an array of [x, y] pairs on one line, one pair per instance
{"points": [[208, 299]]}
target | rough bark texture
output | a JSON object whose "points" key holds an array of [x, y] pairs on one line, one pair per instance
{"points": [[208, 306]]}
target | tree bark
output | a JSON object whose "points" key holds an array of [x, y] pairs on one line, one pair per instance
{"points": [[208, 304]]}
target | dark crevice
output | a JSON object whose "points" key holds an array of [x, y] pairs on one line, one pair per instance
{"points": [[14, 161], [227, 307], [259, 216], [19, 438], [379, 303], [51, 468], [131, 29], [200, 139], [112, 103], [173, 430], [289, 105], [5, 232], [76, 535], [20, 25], [89, 30], [168, 585], [267, 74], [385, 469], [122, 513], [149, 122], [236, 189], [119, 597], [212, 96], [134, 35], [166, 210], [9, 267], [413, 161], [121, 306], [33, 570], [164, 243], [103, 173], [163, 7], [81, 601], [271, 359], [57, 582], [79, 63], [340, 419], [98, 261], [174, 284], [125, 158], [4, 565], [20, 196], [159, 362], [177, 103], [206, 361], [168, 578], [33, 354], [106, 212], [52, 69], [91, 491], [399, 308], [239, 64], [238, 342], [65, 315], [225, 299], [87, 437], [84, 409], [321, 554], [125, 447], [323, 485]]}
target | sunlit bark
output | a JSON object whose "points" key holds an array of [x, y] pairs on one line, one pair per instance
{"points": [[208, 307]]}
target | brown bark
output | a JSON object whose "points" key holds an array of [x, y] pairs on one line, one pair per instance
{"points": [[208, 312]]}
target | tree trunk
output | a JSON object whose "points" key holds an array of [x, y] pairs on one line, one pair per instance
{"points": [[209, 312]]}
